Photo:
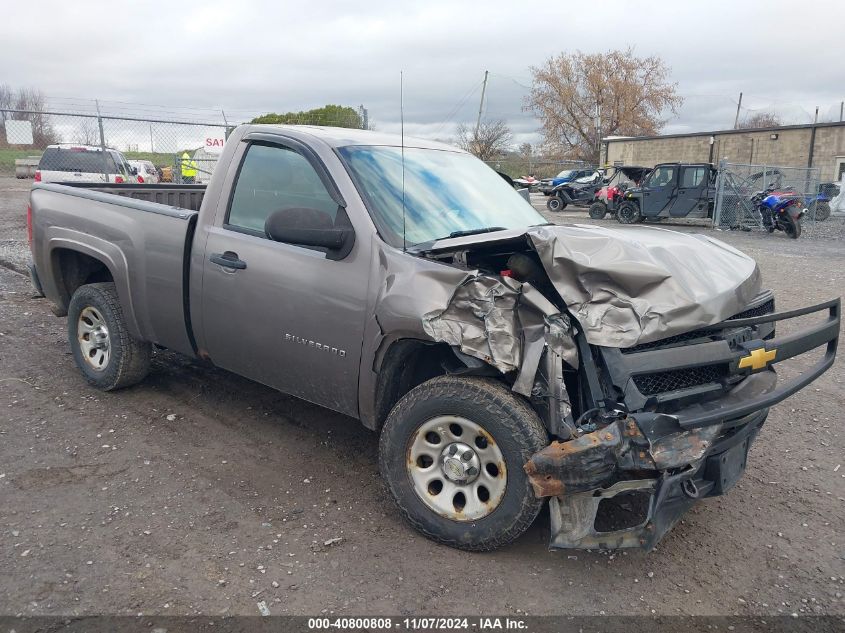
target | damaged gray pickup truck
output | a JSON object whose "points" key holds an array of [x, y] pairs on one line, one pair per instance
{"points": [[505, 361]]}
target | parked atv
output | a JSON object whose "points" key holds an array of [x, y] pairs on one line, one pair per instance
{"points": [[581, 191], [673, 190], [607, 198]]}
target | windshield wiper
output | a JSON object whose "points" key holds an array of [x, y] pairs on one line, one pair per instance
{"points": [[487, 229]]}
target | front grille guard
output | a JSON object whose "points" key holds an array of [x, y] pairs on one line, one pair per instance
{"points": [[744, 336]]}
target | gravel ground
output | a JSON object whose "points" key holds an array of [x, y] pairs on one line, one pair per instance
{"points": [[200, 492]]}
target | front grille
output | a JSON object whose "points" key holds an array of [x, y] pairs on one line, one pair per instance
{"points": [[764, 308], [661, 382], [767, 307], [669, 341]]}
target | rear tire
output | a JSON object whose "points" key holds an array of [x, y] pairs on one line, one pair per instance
{"points": [[598, 210], [502, 432], [792, 226], [821, 212], [628, 213], [554, 203], [106, 354]]}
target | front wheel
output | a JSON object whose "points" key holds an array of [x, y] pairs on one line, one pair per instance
{"points": [[554, 203], [628, 213], [452, 453], [104, 350], [598, 210]]}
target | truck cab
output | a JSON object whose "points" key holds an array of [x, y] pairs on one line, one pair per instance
{"points": [[676, 190]]}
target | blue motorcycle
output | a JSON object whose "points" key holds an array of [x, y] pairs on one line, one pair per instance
{"points": [[780, 210]]}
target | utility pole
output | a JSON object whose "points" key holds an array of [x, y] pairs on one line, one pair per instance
{"points": [[481, 105], [738, 106], [816, 118], [841, 110], [152, 147], [102, 142]]}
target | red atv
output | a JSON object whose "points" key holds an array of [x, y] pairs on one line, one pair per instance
{"points": [[609, 197]]}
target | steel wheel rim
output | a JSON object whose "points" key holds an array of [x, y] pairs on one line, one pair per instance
{"points": [[94, 339], [444, 479]]}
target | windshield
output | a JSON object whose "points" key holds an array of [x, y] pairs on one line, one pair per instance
{"points": [[445, 193], [566, 173]]}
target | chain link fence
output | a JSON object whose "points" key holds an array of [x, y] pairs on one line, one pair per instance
{"points": [[177, 151], [539, 168], [736, 185], [94, 146]]}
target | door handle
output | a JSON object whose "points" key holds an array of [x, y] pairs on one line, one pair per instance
{"points": [[228, 260]]}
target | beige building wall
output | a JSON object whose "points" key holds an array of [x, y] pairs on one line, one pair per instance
{"points": [[790, 149]]}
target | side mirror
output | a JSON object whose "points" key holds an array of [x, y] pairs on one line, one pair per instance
{"points": [[311, 227], [134, 171]]}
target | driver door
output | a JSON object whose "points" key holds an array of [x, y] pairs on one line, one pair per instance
{"points": [[281, 314], [659, 191]]}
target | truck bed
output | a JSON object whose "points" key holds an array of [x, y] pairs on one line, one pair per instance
{"points": [[144, 243]]}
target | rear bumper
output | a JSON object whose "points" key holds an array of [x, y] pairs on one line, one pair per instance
{"points": [[681, 445]]}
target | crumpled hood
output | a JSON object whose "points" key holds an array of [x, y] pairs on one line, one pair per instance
{"points": [[640, 284]]}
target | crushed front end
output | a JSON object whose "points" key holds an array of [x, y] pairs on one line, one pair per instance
{"points": [[665, 423]]}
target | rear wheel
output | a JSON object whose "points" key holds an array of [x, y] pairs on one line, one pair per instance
{"points": [[598, 210], [792, 226], [452, 453], [628, 213], [821, 212], [554, 203], [106, 354]]}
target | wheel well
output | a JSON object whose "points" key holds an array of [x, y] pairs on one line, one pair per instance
{"points": [[75, 269], [405, 365]]}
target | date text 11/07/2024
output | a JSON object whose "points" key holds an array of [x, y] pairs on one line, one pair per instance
{"points": [[419, 624]]}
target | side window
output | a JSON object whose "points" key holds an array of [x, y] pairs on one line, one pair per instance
{"points": [[693, 177], [273, 178], [662, 176]]}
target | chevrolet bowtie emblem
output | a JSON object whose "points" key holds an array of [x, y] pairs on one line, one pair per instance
{"points": [[758, 358]]}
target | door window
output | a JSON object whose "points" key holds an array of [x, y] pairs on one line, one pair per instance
{"points": [[662, 176], [693, 177], [273, 178]]}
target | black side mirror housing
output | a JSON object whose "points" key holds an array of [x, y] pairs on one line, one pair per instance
{"points": [[134, 171], [311, 227]]}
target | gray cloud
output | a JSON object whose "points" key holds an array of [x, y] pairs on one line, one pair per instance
{"points": [[252, 57]]}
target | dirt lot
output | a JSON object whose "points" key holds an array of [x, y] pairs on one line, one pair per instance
{"points": [[200, 492]]}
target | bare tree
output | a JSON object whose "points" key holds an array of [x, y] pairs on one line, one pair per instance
{"points": [[31, 102], [87, 132], [760, 119], [489, 141], [581, 98]]}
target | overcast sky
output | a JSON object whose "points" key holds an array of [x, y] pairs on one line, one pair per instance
{"points": [[251, 57]]}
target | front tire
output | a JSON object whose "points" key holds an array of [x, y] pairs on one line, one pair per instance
{"points": [[476, 497], [106, 354], [554, 203], [598, 210], [628, 213]]}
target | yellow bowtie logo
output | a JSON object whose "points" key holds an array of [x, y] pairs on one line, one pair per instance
{"points": [[757, 359]]}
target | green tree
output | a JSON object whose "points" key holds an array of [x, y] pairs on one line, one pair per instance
{"points": [[334, 115]]}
